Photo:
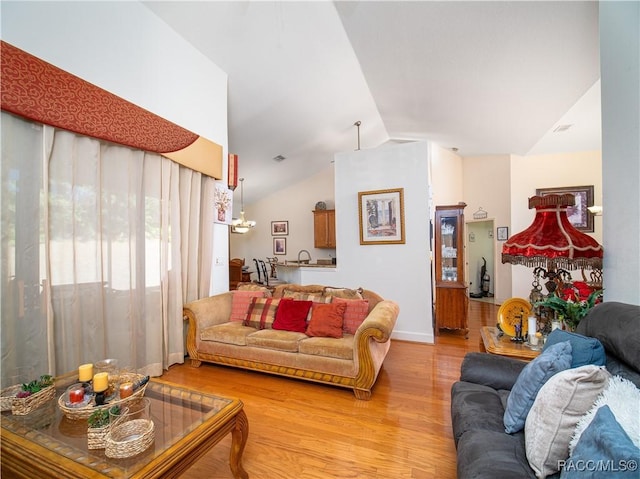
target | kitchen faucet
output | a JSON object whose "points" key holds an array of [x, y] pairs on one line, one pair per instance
{"points": [[308, 255]]}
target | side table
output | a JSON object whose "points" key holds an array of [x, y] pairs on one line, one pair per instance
{"points": [[491, 341]]}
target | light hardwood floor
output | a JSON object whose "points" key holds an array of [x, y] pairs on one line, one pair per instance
{"points": [[304, 430]]}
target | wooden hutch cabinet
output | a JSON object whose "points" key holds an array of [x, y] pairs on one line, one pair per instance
{"points": [[451, 287], [324, 229]]}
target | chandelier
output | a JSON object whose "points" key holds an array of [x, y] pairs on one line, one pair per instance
{"points": [[242, 225]]}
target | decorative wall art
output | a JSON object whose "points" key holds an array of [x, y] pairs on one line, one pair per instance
{"points": [[279, 245], [381, 216], [279, 228], [223, 199], [579, 216], [503, 233]]}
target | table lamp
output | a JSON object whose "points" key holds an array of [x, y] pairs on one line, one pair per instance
{"points": [[552, 245]]}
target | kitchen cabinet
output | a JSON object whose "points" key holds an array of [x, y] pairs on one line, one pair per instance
{"points": [[451, 288], [324, 229]]}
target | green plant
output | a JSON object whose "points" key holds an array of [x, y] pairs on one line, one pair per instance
{"points": [[573, 306], [35, 386], [100, 417]]}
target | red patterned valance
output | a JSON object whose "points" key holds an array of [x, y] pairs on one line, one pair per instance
{"points": [[42, 92]]}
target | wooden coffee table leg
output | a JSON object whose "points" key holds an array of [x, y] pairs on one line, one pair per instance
{"points": [[239, 436]]}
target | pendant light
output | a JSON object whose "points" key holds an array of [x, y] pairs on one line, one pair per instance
{"points": [[242, 225]]}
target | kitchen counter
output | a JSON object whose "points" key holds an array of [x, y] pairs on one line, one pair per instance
{"points": [[303, 273], [305, 265]]}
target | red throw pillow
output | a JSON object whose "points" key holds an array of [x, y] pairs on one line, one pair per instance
{"points": [[326, 320], [356, 312], [240, 302], [292, 315]]}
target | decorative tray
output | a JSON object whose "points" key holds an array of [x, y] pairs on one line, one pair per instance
{"points": [[88, 406]]}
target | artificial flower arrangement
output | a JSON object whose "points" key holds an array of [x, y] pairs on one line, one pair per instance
{"points": [[573, 302]]}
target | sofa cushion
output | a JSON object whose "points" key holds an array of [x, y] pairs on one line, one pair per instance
{"points": [[275, 339], [232, 332], [344, 293], [486, 454], [623, 398], [292, 315], [555, 359], [326, 320], [475, 407], [262, 313], [617, 327], [240, 302], [298, 296], [604, 442], [558, 407], [356, 312], [339, 348], [584, 350]]}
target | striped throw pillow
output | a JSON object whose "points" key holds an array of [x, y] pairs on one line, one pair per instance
{"points": [[262, 313]]}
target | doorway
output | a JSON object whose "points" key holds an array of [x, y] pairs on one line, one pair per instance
{"points": [[481, 260]]}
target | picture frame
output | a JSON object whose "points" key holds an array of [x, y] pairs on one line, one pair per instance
{"points": [[381, 216], [279, 245], [279, 228], [223, 204], [579, 215], [503, 233]]}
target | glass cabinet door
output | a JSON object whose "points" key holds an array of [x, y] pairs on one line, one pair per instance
{"points": [[449, 245]]}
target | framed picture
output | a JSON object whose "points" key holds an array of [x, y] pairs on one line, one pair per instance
{"points": [[579, 216], [503, 233], [223, 201], [279, 245], [381, 216], [279, 228]]}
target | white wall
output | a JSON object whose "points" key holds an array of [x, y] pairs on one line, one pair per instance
{"points": [[487, 184], [620, 67], [125, 49], [401, 272]]}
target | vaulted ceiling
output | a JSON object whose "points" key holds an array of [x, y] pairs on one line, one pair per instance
{"points": [[483, 77]]}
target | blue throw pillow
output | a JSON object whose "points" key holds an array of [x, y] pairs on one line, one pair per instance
{"points": [[604, 450], [584, 350], [554, 359]]}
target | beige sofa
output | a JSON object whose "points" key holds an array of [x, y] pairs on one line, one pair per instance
{"points": [[352, 361]]}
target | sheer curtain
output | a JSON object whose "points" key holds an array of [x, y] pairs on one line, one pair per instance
{"points": [[101, 246]]}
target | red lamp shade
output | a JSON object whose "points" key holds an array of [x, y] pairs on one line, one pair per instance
{"points": [[552, 240]]}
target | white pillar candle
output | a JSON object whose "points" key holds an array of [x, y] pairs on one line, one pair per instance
{"points": [[532, 325]]}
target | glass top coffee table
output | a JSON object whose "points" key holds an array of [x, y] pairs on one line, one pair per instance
{"points": [[188, 423]]}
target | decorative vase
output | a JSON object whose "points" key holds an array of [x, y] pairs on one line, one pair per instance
{"points": [[222, 214]]}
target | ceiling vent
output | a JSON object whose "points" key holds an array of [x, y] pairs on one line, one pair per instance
{"points": [[560, 128], [279, 158]]}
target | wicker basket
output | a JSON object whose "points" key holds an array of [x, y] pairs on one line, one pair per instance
{"points": [[7, 395], [23, 406], [97, 436], [129, 438], [85, 411]]}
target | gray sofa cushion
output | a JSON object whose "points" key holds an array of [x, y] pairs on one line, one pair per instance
{"points": [[616, 326], [475, 407], [486, 454]]}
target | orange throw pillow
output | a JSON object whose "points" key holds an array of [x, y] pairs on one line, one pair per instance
{"points": [[326, 320], [240, 302]]}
